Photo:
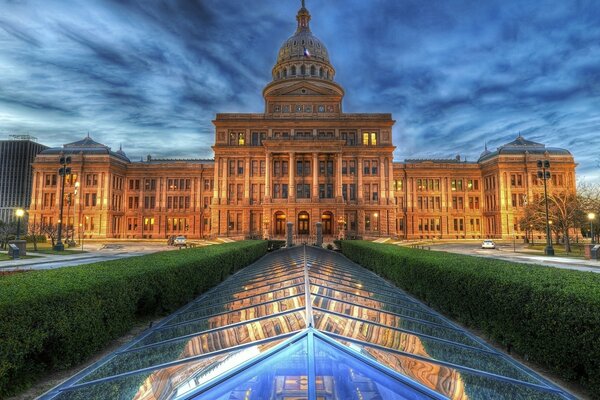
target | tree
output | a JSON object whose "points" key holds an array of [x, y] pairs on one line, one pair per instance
{"points": [[589, 197], [35, 230], [7, 232], [51, 230], [564, 210]]}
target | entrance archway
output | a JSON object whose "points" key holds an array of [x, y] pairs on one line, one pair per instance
{"points": [[303, 223], [280, 219], [327, 222]]}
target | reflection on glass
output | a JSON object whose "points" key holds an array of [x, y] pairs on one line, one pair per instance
{"points": [[449, 381], [420, 346], [359, 290], [408, 310], [168, 382], [282, 376], [202, 344], [231, 304], [352, 379], [391, 320], [222, 320]]}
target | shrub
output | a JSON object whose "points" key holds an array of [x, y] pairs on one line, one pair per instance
{"points": [[54, 319], [548, 315]]}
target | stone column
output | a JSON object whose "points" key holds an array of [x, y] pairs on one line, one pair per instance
{"points": [[290, 234], [315, 174], [338, 177], [225, 171], [319, 234], [268, 177], [292, 178], [247, 181], [359, 183], [382, 191]]}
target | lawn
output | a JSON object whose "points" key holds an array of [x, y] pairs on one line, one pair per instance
{"points": [[559, 250], [46, 248]]}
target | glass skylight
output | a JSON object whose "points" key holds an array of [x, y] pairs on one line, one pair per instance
{"points": [[306, 323]]}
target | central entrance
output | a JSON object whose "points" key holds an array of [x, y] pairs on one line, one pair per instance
{"points": [[326, 220], [280, 223], [303, 223]]}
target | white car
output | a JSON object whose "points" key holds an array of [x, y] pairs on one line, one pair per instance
{"points": [[488, 244], [180, 241]]}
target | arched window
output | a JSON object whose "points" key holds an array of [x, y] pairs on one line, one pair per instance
{"points": [[285, 72], [293, 70], [312, 70], [278, 74], [321, 72], [303, 223], [326, 74], [302, 70]]}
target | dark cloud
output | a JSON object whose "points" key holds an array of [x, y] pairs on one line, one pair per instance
{"points": [[455, 74]]}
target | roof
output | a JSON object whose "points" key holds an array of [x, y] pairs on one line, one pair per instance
{"points": [[521, 146], [307, 323], [87, 146]]}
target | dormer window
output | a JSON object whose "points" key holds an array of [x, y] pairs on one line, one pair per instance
{"points": [[312, 70]]}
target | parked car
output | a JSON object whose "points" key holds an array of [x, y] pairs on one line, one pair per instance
{"points": [[488, 244], [180, 241]]}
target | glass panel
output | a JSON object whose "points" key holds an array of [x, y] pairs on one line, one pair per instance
{"points": [[370, 302], [250, 290], [427, 348], [233, 304], [451, 382], [259, 283], [198, 345], [222, 308], [282, 376], [341, 293], [222, 320], [365, 291], [345, 377], [167, 382], [394, 321]]}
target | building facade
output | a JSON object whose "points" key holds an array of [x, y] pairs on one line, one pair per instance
{"points": [[303, 160], [16, 156]]}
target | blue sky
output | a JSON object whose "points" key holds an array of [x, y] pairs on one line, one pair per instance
{"points": [[151, 75]]}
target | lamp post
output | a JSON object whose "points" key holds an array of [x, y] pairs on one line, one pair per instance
{"points": [[80, 238], [75, 192], [591, 217], [545, 175], [266, 227], [532, 236], [62, 171], [19, 213], [341, 225]]}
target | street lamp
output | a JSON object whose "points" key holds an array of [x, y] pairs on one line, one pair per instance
{"points": [[545, 175], [62, 171], [266, 227], [591, 217], [341, 226], [80, 238], [19, 213]]}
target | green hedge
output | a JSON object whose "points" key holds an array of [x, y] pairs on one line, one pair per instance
{"points": [[55, 319], [548, 315]]}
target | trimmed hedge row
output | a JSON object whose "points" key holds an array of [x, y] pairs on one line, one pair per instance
{"points": [[548, 315], [54, 319]]}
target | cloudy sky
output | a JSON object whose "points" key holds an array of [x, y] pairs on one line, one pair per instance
{"points": [[151, 75]]}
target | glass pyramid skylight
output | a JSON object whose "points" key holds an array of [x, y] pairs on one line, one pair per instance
{"points": [[306, 323]]}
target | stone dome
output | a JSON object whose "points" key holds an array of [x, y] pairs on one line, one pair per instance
{"points": [[303, 54]]}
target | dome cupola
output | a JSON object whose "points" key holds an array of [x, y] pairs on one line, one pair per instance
{"points": [[303, 54]]}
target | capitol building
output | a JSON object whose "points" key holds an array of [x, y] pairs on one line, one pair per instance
{"points": [[302, 160]]}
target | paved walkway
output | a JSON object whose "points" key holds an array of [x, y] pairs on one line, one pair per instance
{"points": [[95, 252], [507, 252]]}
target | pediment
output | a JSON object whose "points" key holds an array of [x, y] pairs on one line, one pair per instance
{"points": [[303, 89]]}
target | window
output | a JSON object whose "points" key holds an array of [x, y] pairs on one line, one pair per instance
{"points": [[133, 202], [240, 167], [148, 223], [150, 184], [344, 167], [241, 139], [373, 139], [365, 138], [326, 191], [207, 184], [375, 192], [134, 184], [366, 167], [91, 180], [254, 168], [50, 180], [374, 165], [303, 191], [231, 167], [352, 167], [149, 202]]}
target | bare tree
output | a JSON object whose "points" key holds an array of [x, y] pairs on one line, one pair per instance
{"points": [[7, 232], [564, 211], [589, 198], [51, 230], [35, 230]]}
